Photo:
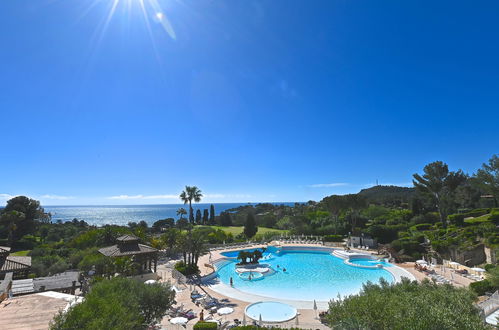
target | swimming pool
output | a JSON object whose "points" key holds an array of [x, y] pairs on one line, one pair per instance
{"points": [[304, 275], [370, 262], [271, 311]]}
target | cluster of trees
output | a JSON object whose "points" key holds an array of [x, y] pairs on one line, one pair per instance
{"points": [[406, 305], [250, 257], [118, 303]]}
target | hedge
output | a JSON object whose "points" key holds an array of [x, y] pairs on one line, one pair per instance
{"points": [[481, 287], [205, 326], [333, 238]]}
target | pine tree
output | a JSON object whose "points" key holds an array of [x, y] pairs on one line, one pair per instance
{"points": [[250, 227], [212, 215], [205, 216], [198, 217]]}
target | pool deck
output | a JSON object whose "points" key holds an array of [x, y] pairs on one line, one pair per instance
{"points": [[240, 300]]}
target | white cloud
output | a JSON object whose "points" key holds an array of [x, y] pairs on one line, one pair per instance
{"points": [[58, 197], [328, 185], [6, 197], [126, 197]]}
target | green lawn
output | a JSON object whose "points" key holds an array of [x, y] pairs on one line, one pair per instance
{"points": [[239, 229], [21, 253]]}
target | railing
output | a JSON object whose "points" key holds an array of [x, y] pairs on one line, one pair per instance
{"points": [[490, 305]]}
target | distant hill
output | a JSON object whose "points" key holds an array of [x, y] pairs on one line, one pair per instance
{"points": [[388, 195]]}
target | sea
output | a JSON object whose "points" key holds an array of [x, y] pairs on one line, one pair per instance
{"points": [[100, 215]]}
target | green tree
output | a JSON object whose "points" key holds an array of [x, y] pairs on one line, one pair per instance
{"points": [[33, 214], [225, 219], [198, 217], [440, 184], [488, 178], [181, 212], [9, 222], [205, 216], [212, 215], [250, 228], [116, 304], [406, 305], [190, 194]]}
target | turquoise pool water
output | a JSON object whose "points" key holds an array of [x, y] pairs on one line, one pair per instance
{"points": [[309, 275], [368, 262], [271, 311], [233, 254]]}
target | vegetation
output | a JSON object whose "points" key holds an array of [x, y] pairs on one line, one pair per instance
{"points": [[190, 194], [205, 326], [406, 305], [118, 303], [250, 257], [250, 228]]}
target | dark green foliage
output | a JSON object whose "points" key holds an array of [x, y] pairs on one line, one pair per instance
{"points": [[198, 217], [160, 225], [117, 304], [205, 217], [212, 221], [186, 269], [482, 287], [494, 217], [456, 219], [205, 326], [406, 305], [333, 238], [225, 219], [250, 228], [388, 195]]}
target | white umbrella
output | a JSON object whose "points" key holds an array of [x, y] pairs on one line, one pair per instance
{"points": [[150, 282], [296, 320], [260, 323], [244, 319], [478, 269], [421, 262], [225, 310], [453, 263], [315, 308], [179, 320]]}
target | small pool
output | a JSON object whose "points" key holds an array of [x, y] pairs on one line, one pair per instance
{"points": [[271, 311], [369, 262], [251, 276]]}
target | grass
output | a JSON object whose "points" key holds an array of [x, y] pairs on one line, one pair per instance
{"points": [[235, 230], [21, 253], [483, 218]]}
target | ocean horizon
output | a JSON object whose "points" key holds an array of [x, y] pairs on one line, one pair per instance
{"points": [[100, 215]]}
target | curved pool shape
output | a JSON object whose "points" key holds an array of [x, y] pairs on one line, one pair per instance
{"points": [[369, 262], [271, 311], [309, 275], [251, 276]]}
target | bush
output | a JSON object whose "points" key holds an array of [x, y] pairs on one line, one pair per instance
{"points": [[422, 227], [456, 219], [476, 213], [333, 238], [494, 217], [205, 326], [481, 287], [489, 267], [186, 269], [119, 303]]}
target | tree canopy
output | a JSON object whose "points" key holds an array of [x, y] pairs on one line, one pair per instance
{"points": [[406, 305], [116, 304]]}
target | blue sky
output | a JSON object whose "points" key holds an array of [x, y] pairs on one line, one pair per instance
{"points": [[276, 100]]}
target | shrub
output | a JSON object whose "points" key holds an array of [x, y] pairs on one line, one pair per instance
{"points": [[481, 287], [494, 217], [205, 326], [186, 269], [456, 219], [333, 238], [489, 267]]}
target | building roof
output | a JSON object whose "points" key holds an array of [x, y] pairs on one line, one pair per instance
{"points": [[4, 249], [55, 282], [34, 311], [121, 250], [128, 238], [15, 263]]}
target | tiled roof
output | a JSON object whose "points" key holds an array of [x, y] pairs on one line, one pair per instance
{"points": [[126, 250], [4, 249], [128, 238]]}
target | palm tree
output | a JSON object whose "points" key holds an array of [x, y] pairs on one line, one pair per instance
{"points": [[191, 193], [181, 211]]}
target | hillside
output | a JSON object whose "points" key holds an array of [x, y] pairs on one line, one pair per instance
{"points": [[388, 194]]}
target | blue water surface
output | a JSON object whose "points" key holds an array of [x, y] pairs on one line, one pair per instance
{"points": [[308, 275]]}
